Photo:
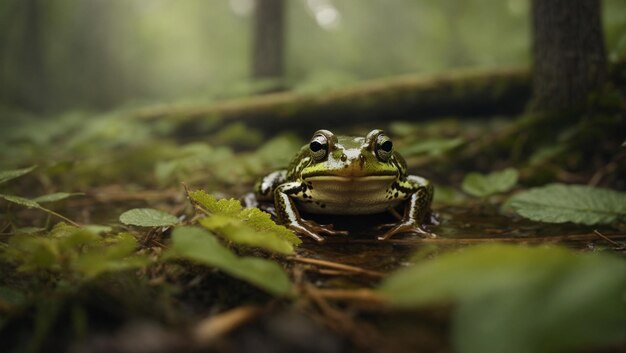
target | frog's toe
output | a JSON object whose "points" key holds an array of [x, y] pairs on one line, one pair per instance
{"points": [[327, 229], [406, 227], [303, 230]]}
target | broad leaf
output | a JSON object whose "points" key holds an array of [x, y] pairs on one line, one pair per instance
{"points": [[559, 203], [520, 299], [16, 173], [148, 217], [240, 233], [249, 227], [197, 245], [482, 185]]}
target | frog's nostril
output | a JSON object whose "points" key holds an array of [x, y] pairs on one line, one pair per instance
{"points": [[344, 157]]}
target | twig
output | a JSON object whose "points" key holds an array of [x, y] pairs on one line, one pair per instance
{"points": [[362, 294], [362, 334], [60, 216], [329, 272], [606, 169], [336, 265], [609, 240], [214, 327]]}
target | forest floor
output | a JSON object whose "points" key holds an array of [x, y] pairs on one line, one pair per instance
{"points": [[96, 293]]}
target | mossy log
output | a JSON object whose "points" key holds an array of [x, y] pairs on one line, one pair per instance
{"points": [[411, 98]]}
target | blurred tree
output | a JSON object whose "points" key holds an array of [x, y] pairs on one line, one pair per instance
{"points": [[269, 38], [23, 65], [569, 59]]}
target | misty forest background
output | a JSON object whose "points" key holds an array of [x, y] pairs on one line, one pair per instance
{"points": [[96, 55]]}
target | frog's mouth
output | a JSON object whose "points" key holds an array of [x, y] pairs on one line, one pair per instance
{"points": [[350, 179]]}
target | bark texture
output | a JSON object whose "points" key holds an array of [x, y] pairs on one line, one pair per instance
{"points": [[269, 39], [569, 56]]}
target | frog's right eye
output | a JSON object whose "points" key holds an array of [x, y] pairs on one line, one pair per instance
{"points": [[318, 147]]}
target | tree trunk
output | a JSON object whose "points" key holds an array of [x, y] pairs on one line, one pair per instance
{"points": [[28, 84], [269, 39], [569, 57]]}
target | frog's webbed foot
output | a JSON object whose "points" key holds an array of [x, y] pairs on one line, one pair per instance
{"points": [[404, 227], [313, 229]]}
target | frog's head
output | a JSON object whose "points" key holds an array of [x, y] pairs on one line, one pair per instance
{"points": [[352, 157]]}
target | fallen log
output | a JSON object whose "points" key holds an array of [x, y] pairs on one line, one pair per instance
{"points": [[410, 97]]}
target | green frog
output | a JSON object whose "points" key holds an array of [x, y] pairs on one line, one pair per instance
{"points": [[347, 175]]}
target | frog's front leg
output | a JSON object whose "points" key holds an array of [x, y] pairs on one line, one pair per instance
{"points": [[290, 217], [264, 191], [417, 209]]}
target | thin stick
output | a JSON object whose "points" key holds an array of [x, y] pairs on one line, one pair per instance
{"points": [[208, 330], [362, 294], [611, 241], [60, 216], [336, 265]]}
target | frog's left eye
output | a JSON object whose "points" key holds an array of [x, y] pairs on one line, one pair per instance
{"points": [[384, 147], [318, 147]]}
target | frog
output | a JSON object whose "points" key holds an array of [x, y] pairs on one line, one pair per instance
{"points": [[348, 175]]}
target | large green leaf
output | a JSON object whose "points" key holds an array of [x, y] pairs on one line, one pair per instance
{"points": [[559, 203], [240, 233], [196, 244], [148, 217], [249, 227], [7, 175], [520, 299], [482, 185]]}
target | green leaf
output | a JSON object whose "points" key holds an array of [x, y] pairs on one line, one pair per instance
{"points": [[117, 256], [72, 250], [196, 244], [240, 233], [482, 185], [249, 227], [559, 203], [148, 217], [22, 201], [98, 229], [58, 196], [32, 252], [7, 175], [262, 222], [520, 299], [229, 207]]}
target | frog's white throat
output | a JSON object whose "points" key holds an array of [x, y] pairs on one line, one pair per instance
{"points": [[348, 195]]}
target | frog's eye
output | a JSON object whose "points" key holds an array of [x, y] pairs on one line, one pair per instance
{"points": [[384, 147], [319, 147]]}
